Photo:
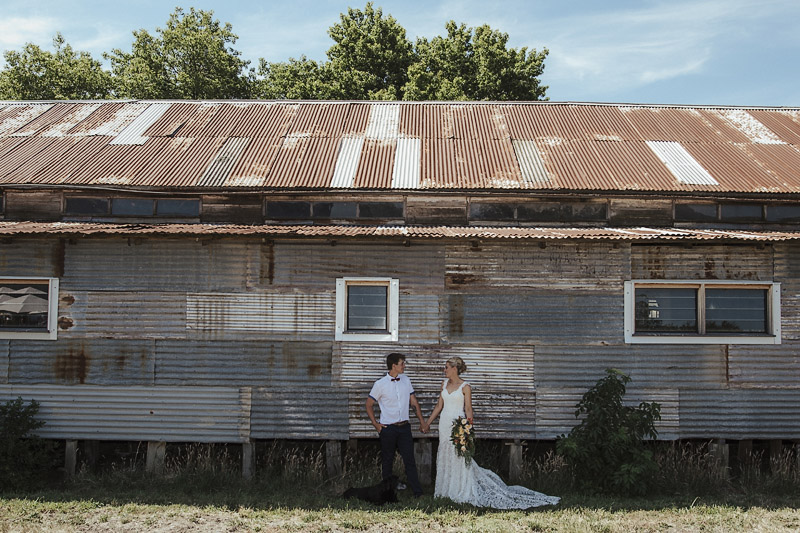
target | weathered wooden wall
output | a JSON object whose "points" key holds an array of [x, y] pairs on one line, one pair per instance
{"points": [[251, 323]]}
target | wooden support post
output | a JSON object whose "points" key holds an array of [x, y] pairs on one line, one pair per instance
{"points": [[333, 458], [352, 447], [91, 450], [155, 457], [745, 453], [71, 458], [248, 459], [514, 460], [775, 450], [721, 452], [423, 456]]}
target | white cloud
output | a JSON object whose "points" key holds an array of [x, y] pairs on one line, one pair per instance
{"points": [[16, 31]]}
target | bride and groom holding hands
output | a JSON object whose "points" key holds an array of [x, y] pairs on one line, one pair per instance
{"points": [[457, 478]]}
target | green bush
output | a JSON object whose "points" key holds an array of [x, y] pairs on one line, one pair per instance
{"points": [[23, 456], [606, 451]]}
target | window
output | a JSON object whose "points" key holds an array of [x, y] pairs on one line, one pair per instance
{"points": [[131, 207], [367, 309], [86, 206], [707, 312], [28, 308], [178, 208]]}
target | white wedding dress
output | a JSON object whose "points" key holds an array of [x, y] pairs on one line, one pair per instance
{"points": [[469, 483]]}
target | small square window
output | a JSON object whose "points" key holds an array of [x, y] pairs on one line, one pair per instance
{"points": [[707, 312], [28, 308], [367, 309]]}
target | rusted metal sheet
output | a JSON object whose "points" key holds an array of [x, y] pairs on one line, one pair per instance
{"points": [[768, 367], [4, 360], [649, 366], [419, 317], [749, 125], [702, 262], [156, 264], [304, 161], [82, 361], [784, 124], [787, 271], [111, 119], [54, 115], [17, 116], [384, 122], [291, 314], [32, 257], [255, 163], [574, 266], [220, 168], [682, 165], [530, 162], [740, 414], [735, 170], [132, 314], [375, 164], [469, 164], [172, 414], [555, 410], [243, 362], [314, 412]]}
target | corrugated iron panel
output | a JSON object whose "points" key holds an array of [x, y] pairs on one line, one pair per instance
{"points": [[633, 166], [295, 314], [53, 115], [769, 367], [418, 317], [17, 116], [82, 153], [785, 124], [228, 156], [407, 161], [649, 366], [98, 361], [20, 154], [121, 314], [31, 257], [303, 162], [320, 119], [115, 165], [530, 162], [111, 119], [176, 162], [555, 410], [4, 360], [133, 132], [750, 126], [457, 163], [702, 262], [736, 171], [374, 169], [579, 266], [288, 413], [76, 114], [29, 171], [384, 122], [779, 161], [255, 163], [740, 414], [682, 165], [347, 162], [490, 367], [243, 362], [157, 264], [172, 414], [787, 271]]}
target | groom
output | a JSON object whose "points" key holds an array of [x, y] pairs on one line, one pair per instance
{"points": [[394, 394]]}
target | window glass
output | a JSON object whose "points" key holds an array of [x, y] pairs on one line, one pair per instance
{"points": [[695, 212], [491, 211], [24, 305], [736, 310], [174, 208], [131, 206], [546, 212], [380, 210], [666, 310], [86, 206], [334, 210], [783, 213], [288, 210], [366, 307], [740, 212]]}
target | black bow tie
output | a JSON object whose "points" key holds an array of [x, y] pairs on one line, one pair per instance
{"points": [[395, 379]]}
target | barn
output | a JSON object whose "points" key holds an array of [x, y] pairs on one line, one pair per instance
{"points": [[233, 272]]}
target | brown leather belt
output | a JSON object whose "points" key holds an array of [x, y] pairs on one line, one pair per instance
{"points": [[403, 423]]}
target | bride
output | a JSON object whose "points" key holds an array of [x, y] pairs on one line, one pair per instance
{"points": [[469, 483]]}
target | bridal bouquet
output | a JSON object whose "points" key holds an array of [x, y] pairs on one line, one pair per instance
{"points": [[463, 438]]}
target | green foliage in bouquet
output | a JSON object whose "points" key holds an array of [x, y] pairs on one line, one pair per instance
{"points": [[463, 438]]}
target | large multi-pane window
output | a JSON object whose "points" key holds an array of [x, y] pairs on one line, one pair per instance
{"points": [[702, 312], [366, 309]]}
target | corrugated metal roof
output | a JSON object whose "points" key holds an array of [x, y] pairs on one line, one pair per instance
{"points": [[400, 145], [418, 232], [682, 165]]}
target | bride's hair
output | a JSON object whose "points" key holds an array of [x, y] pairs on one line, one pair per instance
{"points": [[458, 363]]}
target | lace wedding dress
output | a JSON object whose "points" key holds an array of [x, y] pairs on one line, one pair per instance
{"points": [[469, 483]]}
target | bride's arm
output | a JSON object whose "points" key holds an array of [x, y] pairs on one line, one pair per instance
{"points": [[436, 411], [468, 402]]}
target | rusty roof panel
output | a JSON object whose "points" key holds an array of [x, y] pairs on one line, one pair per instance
{"points": [[735, 170], [50, 150], [376, 165], [785, 124], [358, 117], [17, 116], [69, 120], [779, 160], [320, 119], [53, 115], [254, 163], [177, 161], [22, 153], [115, 123], [91, 125], [750, 126], [82, 153], [304, 162]]}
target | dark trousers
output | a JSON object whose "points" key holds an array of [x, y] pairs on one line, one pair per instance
{"points": [[399, 438]]}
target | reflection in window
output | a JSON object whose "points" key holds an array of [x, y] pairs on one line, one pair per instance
{"points": [[178, 208], [86, 206], [366, 307], [131, 207], [665, 310], [736, 310]]}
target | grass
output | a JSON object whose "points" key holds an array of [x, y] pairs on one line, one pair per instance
{"points": [[203, 491]]}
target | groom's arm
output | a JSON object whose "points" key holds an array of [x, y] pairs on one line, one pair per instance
{"points": [[415, 405], [371, 414]]}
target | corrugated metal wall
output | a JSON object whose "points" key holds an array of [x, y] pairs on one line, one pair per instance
{"points": [[537, 325]]}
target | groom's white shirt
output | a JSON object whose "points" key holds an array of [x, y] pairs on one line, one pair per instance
{"points": [[393, 398]]}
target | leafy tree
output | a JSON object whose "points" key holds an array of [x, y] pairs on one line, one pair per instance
{"points": [[371, 55], [190, 58], [474, 64], [606, 450], [296, 79], [36, 74]]}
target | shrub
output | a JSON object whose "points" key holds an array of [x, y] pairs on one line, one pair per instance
{"points": [[606, 451], [23, 456]]}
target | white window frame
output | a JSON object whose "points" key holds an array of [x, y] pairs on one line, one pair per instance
{"points": [[773, 310], [392, 310], [52, 311]]}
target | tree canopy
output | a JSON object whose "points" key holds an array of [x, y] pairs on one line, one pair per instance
{"points": [[371, 58]]}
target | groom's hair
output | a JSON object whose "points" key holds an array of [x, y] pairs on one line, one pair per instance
{"points": [[394, 358]]}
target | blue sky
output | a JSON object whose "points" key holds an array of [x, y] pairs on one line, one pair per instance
{"points": [[723, 52]]}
